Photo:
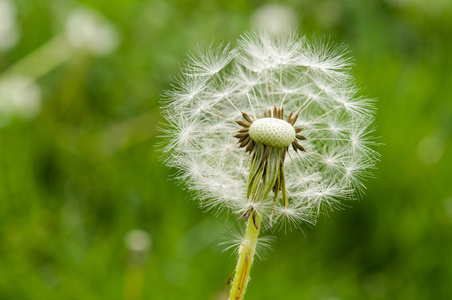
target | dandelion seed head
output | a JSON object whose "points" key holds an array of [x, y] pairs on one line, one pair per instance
{"points": [[274, 126]]}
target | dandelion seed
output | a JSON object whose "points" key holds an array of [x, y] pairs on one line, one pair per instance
{"points": [[272, 131]]}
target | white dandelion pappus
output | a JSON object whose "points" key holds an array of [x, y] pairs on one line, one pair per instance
{"points": [[303, 133], [233, 238]]}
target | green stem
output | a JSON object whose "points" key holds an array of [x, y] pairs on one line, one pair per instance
{"points": [[42, 60], [246, 256]]}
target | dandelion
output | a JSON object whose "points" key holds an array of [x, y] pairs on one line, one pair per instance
{"points": [[272, 131]]}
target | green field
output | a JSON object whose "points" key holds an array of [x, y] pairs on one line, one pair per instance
{"points": [[81, 170]]}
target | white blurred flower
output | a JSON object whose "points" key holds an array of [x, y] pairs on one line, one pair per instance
{"points": [[274, 18], [138, 240], [9, 32], [19, 96], [87, 30], [139, 243], [303, 131]]}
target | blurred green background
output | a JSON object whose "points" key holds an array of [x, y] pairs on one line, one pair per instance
{"points": [[79, 170]]}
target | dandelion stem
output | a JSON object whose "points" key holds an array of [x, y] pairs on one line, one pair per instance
{"points": [[246, 256]]}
